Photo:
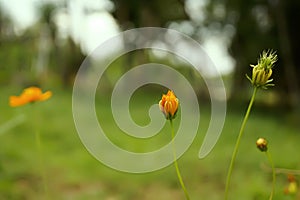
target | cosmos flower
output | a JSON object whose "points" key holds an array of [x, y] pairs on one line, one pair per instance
{"points": [[29, 95]]}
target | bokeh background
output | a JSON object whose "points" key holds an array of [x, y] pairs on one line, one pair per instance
{"points": [[43, 43]]}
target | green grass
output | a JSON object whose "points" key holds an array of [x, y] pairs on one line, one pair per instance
{"points": [[74, 174]]}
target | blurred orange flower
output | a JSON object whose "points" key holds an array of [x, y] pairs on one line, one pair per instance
{"points": [[292, 187], [29, 95], [169, 105]]}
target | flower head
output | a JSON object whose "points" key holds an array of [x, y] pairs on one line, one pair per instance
{"points": [[261, 73], [262, 144], [292, 187], [169, 105], [29, 95]]}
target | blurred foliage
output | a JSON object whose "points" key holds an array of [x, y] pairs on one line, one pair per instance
{"points": [[262, 24], [37, 55], [73, 173], [254, 25], [84, 177], [16, 56], [144, 13]]}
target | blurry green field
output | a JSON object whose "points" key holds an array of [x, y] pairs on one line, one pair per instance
{"points": [[73, 173]]}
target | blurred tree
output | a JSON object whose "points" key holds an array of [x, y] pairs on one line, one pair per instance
{"points": [[47, 48], [6, 27], [46, 12], [257, 25], [72, 58], [262, 24], [145, 13], [15, 52], [65, 57]]}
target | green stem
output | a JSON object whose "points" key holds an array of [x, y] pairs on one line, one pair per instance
{"points": [[41, 166], [39, 151], [287, 171], [237, 144], [273, 174], [176, 164]]}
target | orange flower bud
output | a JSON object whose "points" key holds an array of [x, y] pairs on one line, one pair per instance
{"points": [[169, 105], [29, 95]]}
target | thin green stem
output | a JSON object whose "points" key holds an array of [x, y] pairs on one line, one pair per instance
{"points": [[273, 174], [287, 171], [176, 164], [237, 144], [41, 165], [39, 151]]}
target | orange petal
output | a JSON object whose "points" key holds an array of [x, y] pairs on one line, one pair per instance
{"points": [[15, 101], [45, 96]]}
